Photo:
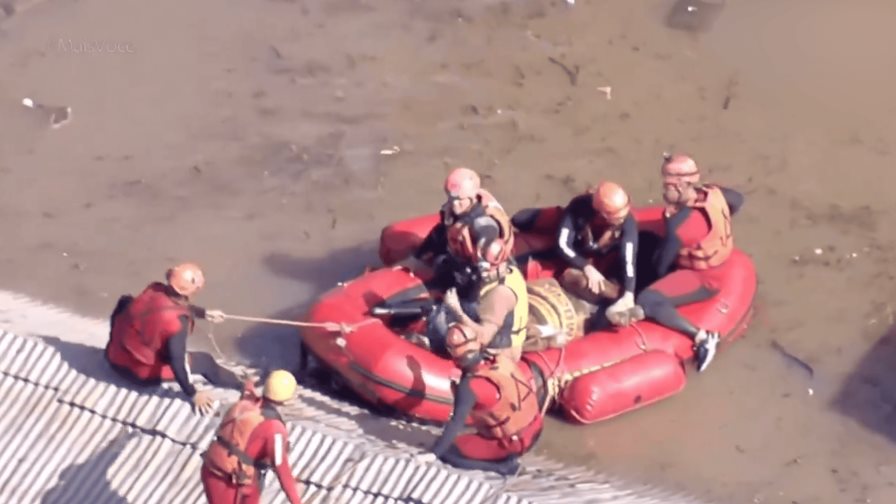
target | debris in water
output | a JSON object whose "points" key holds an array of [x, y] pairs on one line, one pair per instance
{"points": [[58, 116], [818, 251], [607, 91], [572, 74], [795, 361], [393, 150], [697, 16]]}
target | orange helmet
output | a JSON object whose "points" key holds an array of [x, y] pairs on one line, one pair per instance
{"points": [[186, 279], [611, 201], [461, 343], [462, 183], [679, 168]]}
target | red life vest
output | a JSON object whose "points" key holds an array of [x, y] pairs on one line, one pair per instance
{"points": [[145, 326], [517, 406], [460, 238]]}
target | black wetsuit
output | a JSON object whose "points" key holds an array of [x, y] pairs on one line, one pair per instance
{"points": [[451, 271], [577, 217], [659, 306], [576, 249]]}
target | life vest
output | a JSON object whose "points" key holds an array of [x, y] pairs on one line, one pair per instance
{"points": [[602, 235], [517, 405], [514, 328], [716, 247], [226, 456], [144, 327], [594, 234], [459, 229]]}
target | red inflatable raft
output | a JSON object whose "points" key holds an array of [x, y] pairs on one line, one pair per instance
{"points": [[601, 375]]}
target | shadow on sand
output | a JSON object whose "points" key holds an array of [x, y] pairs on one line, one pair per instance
{"points": [[868, 394]]}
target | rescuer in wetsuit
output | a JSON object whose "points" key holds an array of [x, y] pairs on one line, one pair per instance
{"points": [[504, 400], [251, 439], [594, 225], [500, 317], [148, 336], [472, 222], [471, 217], [698, 242]]}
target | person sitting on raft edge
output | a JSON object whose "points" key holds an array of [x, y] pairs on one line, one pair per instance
{"points": [[470, 218], [698, 242], [148, 336], [593, 225], [504, 399]]}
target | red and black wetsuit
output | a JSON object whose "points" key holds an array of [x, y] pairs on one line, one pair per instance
{"points": [[148, 337], [148, 341], [449, 271], [268, 446], [477, 395], [683, 286]]}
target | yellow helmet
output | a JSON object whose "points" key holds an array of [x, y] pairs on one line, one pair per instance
{"points": [[280, 386]]}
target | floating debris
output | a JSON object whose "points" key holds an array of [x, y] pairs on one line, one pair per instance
{"points": [[57, 115], [571, 73], [795, 361], [607, 91], [393, 150], [697, 16]]}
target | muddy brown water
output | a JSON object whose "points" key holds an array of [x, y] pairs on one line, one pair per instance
{"points": [[246, 136]]}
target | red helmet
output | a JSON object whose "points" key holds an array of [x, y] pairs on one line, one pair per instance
{"points": [[462, 343], [462, 183], [610, 200], [186, 279], [679, 168]]}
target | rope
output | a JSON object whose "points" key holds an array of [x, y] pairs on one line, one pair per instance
{"points": [[322, 325], [552, 381], [341, 328], [642, 344]]}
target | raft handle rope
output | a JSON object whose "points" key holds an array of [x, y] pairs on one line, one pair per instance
{"points": [[642, 338], [555, 384]]}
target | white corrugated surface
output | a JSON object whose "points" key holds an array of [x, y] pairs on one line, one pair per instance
{"points": [[72, 438]]}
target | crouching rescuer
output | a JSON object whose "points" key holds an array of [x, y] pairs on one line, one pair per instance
{"points": [[505, 401], [251, 439]]}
